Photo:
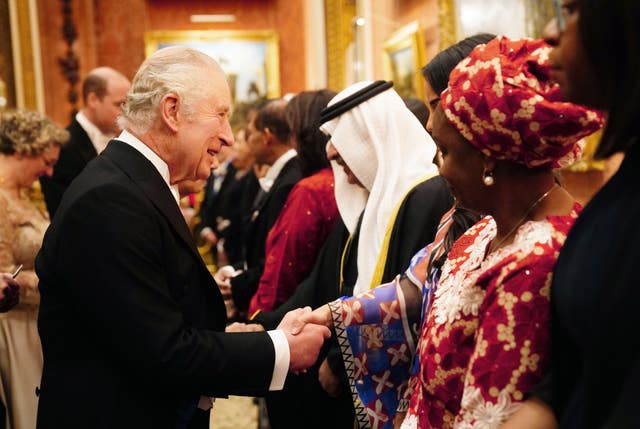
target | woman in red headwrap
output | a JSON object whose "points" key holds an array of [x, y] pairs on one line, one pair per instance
{"points": [[501, 127], [484, 341]]}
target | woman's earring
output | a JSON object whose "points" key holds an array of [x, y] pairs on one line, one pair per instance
{"points": [[487, 178]]}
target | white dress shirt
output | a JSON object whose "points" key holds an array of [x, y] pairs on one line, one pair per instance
{"points": [[266, 182], [98, 139], [280, 343]]}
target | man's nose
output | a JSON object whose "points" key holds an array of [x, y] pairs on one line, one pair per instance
{"points": [[226, 135], [332, 153]]}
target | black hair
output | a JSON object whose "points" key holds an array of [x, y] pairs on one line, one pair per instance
{"points": [[463, 219], [437, 71], [271, 115], [303, 113], [611, 40], [418, 108]]}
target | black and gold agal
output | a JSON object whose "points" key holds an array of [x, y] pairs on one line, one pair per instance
{"points": [[353, 100]]}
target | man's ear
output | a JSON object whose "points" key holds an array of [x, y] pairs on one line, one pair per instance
{"points": [[268, 135], [170, 111], [92, 100]]}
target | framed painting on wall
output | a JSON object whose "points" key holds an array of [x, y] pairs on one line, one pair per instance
{"points": [[249, 59], [403, 58]]}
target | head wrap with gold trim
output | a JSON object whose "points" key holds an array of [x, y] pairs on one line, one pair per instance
{"points": [[502, 100]]}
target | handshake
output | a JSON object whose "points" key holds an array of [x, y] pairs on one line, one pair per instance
{"points": [[305, 331]]}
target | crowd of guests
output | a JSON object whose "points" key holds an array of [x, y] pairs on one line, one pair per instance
{"points": [[462, 284]]}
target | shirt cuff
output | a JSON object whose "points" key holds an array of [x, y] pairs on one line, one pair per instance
{"points": [[281, 365]]}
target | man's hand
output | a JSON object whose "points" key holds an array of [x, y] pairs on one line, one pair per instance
{"points": [[223, 278], [328, 380], [304, 346], [209, 236], [9, 292]]}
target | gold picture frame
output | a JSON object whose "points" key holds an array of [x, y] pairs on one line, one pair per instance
{"points": [[404, 56], [250, 59]]}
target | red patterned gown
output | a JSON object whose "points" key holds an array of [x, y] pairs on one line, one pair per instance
{"points": [[485, 341]]}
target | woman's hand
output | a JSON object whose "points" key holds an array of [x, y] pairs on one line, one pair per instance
{"points": [[9, 292], [244, 327], [398, 419]]}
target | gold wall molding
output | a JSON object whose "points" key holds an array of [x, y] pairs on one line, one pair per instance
{"points": [[447, 17], [339, 17], [25, 45]]}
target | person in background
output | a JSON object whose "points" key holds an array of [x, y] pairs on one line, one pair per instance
{"points": [[296, 238], [29, 148], [217, 202], [595, 364], [241, 197], [309, 213], [132, 328], [103, 92], [189, 191], [269, 140]]}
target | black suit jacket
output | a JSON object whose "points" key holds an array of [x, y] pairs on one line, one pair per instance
{"points": [[217, 206], [74, 156], [265, 211], [130, 319]]}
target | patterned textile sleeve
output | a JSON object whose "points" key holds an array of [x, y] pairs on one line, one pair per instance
{"points": [[377, 345], [512, 342]]}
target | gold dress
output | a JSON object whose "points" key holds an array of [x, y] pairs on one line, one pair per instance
{"points": [[22, 228]]}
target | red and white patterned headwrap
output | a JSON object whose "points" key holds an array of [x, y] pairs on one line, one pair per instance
{"points": [[501, 98]]}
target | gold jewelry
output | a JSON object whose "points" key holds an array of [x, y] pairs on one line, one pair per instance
{"points": [[524, 217]]}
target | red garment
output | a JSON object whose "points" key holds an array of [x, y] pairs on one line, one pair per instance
{"points": [[486, 339], [295, 239], [502, 99]]}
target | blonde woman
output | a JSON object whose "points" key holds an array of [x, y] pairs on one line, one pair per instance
{"points": [[29, 148]]}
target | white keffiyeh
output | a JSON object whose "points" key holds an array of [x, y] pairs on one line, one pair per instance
{"points": [[388, 150]]}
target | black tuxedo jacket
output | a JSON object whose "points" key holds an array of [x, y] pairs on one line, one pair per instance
{"points": [[74, 156], [218, 205], [265, 211], [130, 319]]}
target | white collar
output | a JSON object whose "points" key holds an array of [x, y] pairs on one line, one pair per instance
{"points": [[157, 162], [267, 181], [99, 140]]}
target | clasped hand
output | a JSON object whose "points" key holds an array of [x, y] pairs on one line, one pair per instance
{"points": [[306, 331]]}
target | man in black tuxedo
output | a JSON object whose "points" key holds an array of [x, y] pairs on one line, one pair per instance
{"points": [[103, 92], [268, 139], [131, 321]]}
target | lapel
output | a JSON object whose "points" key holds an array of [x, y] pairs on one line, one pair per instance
{"points": [[85, 147], [142, 172]]}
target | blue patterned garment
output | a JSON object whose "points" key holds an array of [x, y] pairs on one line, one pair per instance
{"points": [[377, 342]]}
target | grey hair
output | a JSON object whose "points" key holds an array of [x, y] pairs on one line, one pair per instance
{"points": [[177, 70]]}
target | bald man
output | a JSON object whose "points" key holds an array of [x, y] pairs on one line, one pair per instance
{"points": [[103, 92]]}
